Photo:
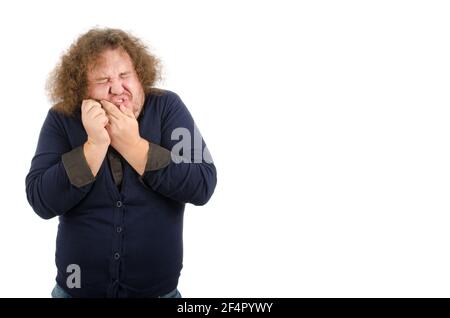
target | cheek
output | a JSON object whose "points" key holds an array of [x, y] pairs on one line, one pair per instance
{"points": [[133, 86], [98, 92], [128, 86]]}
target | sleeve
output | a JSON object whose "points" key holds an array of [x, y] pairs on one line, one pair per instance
{"points": [[59, 177], [181, 168]]}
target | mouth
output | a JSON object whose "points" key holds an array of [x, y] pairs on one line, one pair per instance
{"points": [[120, 101]]}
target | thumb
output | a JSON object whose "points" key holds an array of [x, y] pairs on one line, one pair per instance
{"points": [[127, 111]]}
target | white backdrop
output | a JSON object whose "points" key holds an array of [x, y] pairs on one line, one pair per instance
{"points": [[327, 121]]}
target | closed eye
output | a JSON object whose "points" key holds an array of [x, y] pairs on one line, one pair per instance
{"points": [[101, 80], [104, 80]]}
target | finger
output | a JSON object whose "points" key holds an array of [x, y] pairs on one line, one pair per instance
{"points": [[127, 111], [89, 104], [93, 110], [108, 126], [111, 109], [106, 122], [96, 112], [112, 119], [100, 113], [101, 119]]}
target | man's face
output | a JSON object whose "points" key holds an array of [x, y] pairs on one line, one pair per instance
{"points": [[113, 78]]}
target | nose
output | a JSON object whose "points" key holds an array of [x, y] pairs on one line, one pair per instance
{"points": [[116, 87]]}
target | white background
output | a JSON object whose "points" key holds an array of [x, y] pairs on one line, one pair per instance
{"points": [[327, 121]]}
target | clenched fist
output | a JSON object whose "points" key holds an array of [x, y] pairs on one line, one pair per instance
{"points": [[94, 120], [123, 127]]}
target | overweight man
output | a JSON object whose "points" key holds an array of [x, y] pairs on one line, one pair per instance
{"points": [[117, 160]]}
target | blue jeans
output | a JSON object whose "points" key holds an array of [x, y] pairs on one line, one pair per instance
{"points": [[58, 292]]}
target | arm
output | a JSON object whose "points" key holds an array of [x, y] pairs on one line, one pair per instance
{"points": [[94, 155], [59, 177], [180, 169]]}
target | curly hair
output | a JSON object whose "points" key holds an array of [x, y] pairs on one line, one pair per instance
{"points": [[67, 83]]}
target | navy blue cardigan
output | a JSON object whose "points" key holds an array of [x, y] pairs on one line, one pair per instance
{"points": [[126, 241]]}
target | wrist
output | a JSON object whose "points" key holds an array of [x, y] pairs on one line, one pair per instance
{"points": [[97, 145], [94, 154], [136, 154]]}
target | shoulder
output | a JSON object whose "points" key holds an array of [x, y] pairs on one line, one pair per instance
{"points": [[163, 96], [63, 114], [61, 120], [165, 102], [169, 107]]}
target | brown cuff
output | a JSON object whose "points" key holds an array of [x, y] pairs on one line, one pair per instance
{"points": [[158, 157], [77, 168]]}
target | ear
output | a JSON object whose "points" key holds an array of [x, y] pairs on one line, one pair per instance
{"points": [[127, 111]]}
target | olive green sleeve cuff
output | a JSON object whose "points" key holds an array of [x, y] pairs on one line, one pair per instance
{"points": [[77, 168], [158, 157]]}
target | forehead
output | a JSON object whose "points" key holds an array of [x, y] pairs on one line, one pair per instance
{"points": [[111, 60]]}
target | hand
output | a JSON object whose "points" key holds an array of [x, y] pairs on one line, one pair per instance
{"points": [[94, 120], [123, 127]]}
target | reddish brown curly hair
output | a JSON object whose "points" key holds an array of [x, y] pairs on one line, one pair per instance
{"points": [[67, 83]]}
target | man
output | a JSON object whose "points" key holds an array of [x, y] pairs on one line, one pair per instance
{"points": [[105, 164]]}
